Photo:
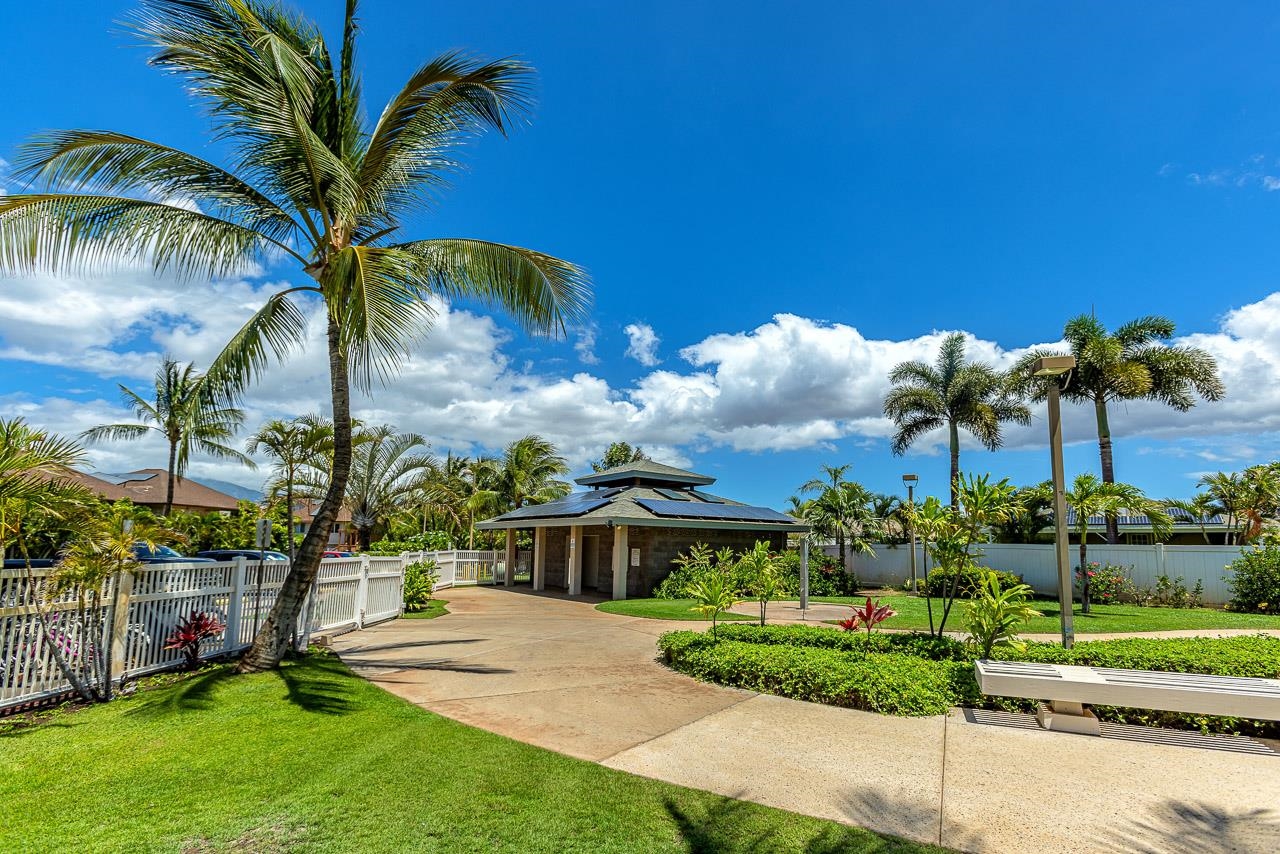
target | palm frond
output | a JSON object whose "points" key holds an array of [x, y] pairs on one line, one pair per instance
{"points": [[274, 330]]}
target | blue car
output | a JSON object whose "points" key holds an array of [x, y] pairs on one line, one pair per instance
{"points": [[247, 554], [164, 554]]}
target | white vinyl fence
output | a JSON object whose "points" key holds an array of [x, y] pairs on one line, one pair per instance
{"points": [[466, 568], [349, 593], [1037, 565]]}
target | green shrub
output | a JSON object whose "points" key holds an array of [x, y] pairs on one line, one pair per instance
{"points": [[420, 579], [995, 616], [972, 579], [1254, 579], [914, 674], [891, 683], [1109, 584], [431, 541], [826, 577]]}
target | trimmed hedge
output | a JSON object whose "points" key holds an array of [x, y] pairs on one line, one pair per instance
{"points": [[914, 674]]}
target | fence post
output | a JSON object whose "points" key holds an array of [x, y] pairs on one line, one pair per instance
{"points": [[362, 591], [120, 625], [235, 607], [1160, 558]]}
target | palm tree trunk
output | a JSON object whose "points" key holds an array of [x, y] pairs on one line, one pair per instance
{"points": [[288, 497], [272, 641], [173, 463], [1108, 465], [1084, 573], [955, 464]]}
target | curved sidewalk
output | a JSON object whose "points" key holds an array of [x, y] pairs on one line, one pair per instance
{"points": [[559, 674]]}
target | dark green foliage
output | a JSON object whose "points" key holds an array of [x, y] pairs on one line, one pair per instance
{"points": [[420, 578], [971, 580], [915, 674], [1254, 579], [892, 683], [431, 541], [825, 575]]}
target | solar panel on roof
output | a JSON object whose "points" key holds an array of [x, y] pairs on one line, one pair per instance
{"points": [[562, 507], [710, 499], [673, 494], [696, 510]]}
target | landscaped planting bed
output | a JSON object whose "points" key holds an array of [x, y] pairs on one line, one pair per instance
{"points": [[914, 674]]}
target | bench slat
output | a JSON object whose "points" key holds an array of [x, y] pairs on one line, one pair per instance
{"points": [[1176, 692]]}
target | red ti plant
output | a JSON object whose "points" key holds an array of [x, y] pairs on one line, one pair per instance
{"points": [[190, 631], [869, 616]]}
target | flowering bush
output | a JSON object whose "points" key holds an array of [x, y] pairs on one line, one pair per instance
{"points": [[1109, 584]]}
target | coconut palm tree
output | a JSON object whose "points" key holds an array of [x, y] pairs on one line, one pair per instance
{"points": [[529, 473], [186, 414], [461, 491], [1134, 362], [292, 444], [1200, 508], [310, 181], [954, 394], [1090, 496]]}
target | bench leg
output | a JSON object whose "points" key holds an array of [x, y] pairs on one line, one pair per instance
{"points": [[1064, 716]]}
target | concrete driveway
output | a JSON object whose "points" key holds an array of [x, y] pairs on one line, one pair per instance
{"points": [[558, 674]]}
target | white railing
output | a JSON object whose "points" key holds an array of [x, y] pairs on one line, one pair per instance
{"points": [[463, 568], [349, 593]]}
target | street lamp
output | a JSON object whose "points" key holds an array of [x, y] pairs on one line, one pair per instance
{"points": [[1054, 367], [910, 481]]}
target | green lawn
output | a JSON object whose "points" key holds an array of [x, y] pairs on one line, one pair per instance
{"points": [[659, 609], [1102, 618], [315, 759], [435, 608]]}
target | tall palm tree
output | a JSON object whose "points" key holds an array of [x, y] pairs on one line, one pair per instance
{"points": [[311, 181], [954, 394], [186, 414], [34, 465], [529, 473], [1134, 362], [292, 444], [462, 490], [1090, 496], [1246, 498]]}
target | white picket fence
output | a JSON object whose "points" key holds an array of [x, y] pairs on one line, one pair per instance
{"points": [[891, 565], [350, 593], [465, 568]]}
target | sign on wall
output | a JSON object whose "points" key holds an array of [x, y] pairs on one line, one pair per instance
{"points": [[635, 557]]}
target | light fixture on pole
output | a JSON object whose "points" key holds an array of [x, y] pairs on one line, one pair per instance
{"points": [[910, 481], [1054, 368]]}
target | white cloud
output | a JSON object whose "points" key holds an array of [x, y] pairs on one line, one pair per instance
{"points": [[790, 383], [643, 344], [585, 345]]}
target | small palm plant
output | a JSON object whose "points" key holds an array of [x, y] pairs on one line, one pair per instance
{"points": [[868, 616], [995, 615], [712, 595], [759, 568]]}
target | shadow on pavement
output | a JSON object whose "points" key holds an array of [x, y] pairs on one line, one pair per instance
{"points": [[1182, 827]]}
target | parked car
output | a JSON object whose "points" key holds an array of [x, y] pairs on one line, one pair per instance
{"points": [[339, 554], [248, 554], [20, 563], [164, 554]]}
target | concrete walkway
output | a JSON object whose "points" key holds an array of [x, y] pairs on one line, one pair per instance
{"points": [[558, 674]]}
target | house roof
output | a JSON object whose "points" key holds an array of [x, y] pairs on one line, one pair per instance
{"points": [[645, 472], [655, 506], [149, 486], [1141, 520]]}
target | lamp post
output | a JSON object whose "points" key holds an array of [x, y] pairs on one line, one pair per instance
{"points": [[910, 481], [1053, 368]]}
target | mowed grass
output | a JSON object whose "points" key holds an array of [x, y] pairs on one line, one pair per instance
{"points": [[435, 608], [912, 614], [313, 758], [660, 609]]}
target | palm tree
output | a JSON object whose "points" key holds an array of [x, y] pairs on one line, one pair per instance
{"points": [[1246, 498], [842, 509], [311, 181], [1134, 362], [1090, 496], [292, 444], [188, 416], [529, 473], [619, 454], [951, 393], [1201, 508], [34, 465], [460, 491]]}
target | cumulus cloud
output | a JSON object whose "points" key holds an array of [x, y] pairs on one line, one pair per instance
{"points": [[790, 383], [642, 344], [585, 345]]}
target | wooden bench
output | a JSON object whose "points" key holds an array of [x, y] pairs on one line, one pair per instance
{"points": [[1066, 689]]}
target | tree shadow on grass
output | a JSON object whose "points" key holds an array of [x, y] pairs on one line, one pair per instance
{"points": [[723, 828], [323, 687], [193, 694], [1183, 827]]}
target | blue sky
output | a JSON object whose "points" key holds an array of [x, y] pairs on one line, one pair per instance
{"points": [[874, 173]]}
